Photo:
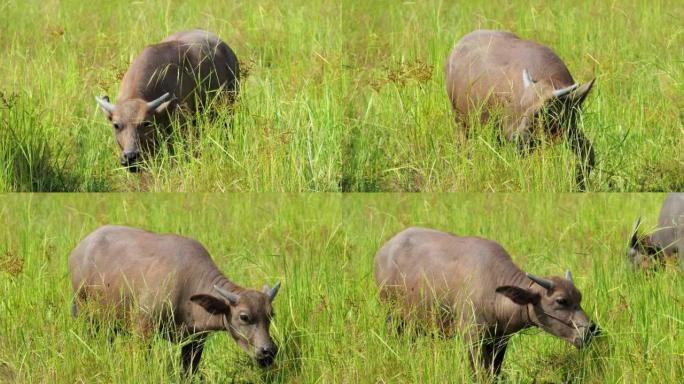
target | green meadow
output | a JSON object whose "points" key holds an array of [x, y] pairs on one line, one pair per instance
{"points": [[337, 96], [329, 323]]}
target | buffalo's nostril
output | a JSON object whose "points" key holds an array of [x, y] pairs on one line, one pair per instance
{"points": [[268, 351], [130, 161], [589, 333], [130, 156], [266, 355]]}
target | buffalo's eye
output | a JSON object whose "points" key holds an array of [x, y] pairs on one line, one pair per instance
{"points": [[562, 301], [244, 317], [117, 126]]}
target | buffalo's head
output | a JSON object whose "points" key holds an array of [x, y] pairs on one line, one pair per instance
{"points": [[553, 304], [248, 317], [642, 251], [541, 106], [133, 123]]}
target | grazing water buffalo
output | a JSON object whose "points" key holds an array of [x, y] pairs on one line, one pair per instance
{"points": [[490, 71], [471, 285], [186, 69], [169, 283], [666, 241]]}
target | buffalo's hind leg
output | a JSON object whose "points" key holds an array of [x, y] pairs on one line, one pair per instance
{"points": [[395, 323], [191, 354]]}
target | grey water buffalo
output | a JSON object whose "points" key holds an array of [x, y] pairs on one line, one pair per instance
{"points": [[524, 84], [186, 69], [169, 284], [667, 240], [470, 285]]}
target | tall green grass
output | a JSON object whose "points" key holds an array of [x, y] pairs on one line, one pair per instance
{"points": [[338, 96], [329, 323]]}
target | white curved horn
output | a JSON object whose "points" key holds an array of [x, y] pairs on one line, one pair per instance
{"points": [[232, 298], [548, 284], [527, 79], [104, 103], [564, 91], [271, 293], [157, 102], [568, 276], [633, 239]]}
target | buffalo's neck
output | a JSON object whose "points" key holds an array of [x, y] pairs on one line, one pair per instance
{"points": [[511, 317], [136, 86], [203, 320]]}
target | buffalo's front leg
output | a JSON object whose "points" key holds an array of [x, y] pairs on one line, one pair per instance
{"points": [[487, 355], [521, 134], [498, 351], [584, 151], [191, 353], [492, 355]]}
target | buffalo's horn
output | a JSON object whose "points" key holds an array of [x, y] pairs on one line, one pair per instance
{"points": [[568, 275], [272, 292], [527, 79], [548, 284], [104, 103], [157, 102], [232, 298], [633, 239], [565, 91]]}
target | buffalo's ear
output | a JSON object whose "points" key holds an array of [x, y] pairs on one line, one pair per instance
{"points": [[519, 295], [580, 94], [211, 304]]}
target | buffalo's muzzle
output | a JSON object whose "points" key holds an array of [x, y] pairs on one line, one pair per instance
{"points": [[587, 335], [130, 159], [266, 355], [593, 330]]}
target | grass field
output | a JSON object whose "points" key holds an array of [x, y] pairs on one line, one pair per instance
{"points": [[338, 96], [329, 324]]}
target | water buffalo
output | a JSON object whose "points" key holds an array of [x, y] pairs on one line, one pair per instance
{"points": [[185, 70], [525, 84], [169, 283], [470, 285], [666, 241]]}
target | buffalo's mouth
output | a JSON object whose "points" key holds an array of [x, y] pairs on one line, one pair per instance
{"points": [[130, 159], [130, 165], [594, 330], [134, 168], [587, 336], [265, 356], [265, 361]]}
